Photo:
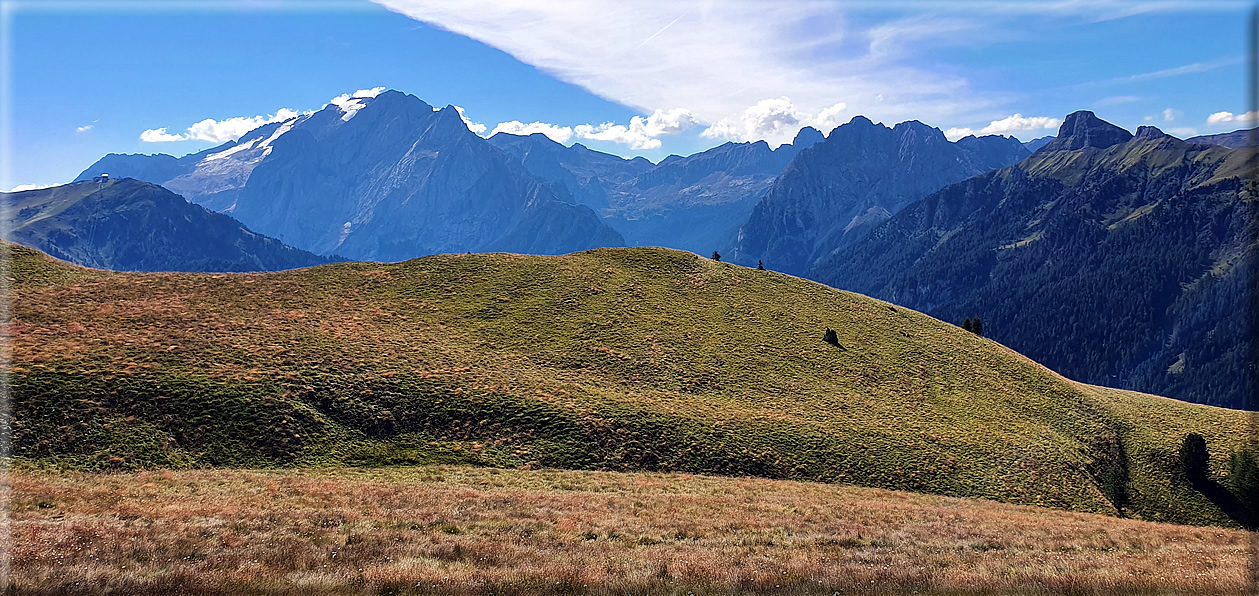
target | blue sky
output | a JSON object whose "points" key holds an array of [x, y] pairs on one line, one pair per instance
{"points": [[87, 78]]}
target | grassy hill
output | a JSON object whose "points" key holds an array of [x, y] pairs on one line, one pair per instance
{"points": [[618, 359]]}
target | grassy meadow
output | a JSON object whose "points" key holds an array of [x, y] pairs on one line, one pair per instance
{"points": [[636, 359], [468, 530]]}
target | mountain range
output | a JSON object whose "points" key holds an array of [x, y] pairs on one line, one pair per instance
{"points": [[833, 193], [694, 203], [1237, 139], [384, 178], [425, 184], [1113, 258]]}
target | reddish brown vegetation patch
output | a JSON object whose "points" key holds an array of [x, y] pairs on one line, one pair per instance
{"points": [[464, 530]]}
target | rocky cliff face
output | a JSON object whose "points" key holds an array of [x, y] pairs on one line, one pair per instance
{"points": [[1084, 130], [832, 194]]}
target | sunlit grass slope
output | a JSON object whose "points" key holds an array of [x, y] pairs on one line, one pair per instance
{"points": [[619, 359]]}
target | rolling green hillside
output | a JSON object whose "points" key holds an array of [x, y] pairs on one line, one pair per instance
{"points": [[620, 359]]}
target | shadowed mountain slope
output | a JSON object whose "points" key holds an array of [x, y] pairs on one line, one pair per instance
{"points": [[128, 225], [833, 193], [1111, 258]]}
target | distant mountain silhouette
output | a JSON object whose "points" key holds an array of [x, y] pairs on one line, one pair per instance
{"points": [[129, 225], [1233, 140], [1035, 144], [694, 203]]}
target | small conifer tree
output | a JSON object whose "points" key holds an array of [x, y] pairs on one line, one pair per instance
{"points": [[716, 256], [967, 325], [977, 326], [760, 265], [1243, 475], [831, 337]]}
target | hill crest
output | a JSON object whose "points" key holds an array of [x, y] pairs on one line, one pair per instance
{"points": [[622, 359]]}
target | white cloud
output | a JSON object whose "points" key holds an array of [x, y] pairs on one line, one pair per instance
{"points": [[361, 93], [221, 131], [776, 121], [829, 118], [772, 120], [1006, 125], [216, 131], [22, 187], [86, 127], [1220, 117], [1170, 115], [351, 103], [559, 134], [159, 135], [641, 132], [1017, 122], [1194, 68], [475, 127], [718, 58], [1247, 119], [230, 129]]}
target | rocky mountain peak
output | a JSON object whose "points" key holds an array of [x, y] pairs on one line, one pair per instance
{"points": [[807, 137], [1150, 132], [1083, 129]]}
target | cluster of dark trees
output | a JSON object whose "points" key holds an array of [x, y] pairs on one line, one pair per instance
{"points": [[975, 325]]}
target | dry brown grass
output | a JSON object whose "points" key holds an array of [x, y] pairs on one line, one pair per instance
{"points": [[488, 531]]}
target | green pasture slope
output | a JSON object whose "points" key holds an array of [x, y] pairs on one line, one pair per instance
{"points": [[617, 359]]}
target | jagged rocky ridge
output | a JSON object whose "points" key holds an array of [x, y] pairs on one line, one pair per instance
{"points": [[833, 193]]}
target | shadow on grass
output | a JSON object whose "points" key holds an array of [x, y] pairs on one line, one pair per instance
{"points": [[1228, 502]]}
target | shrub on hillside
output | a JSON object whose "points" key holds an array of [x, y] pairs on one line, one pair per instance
{"points": [[1243, 477]]}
